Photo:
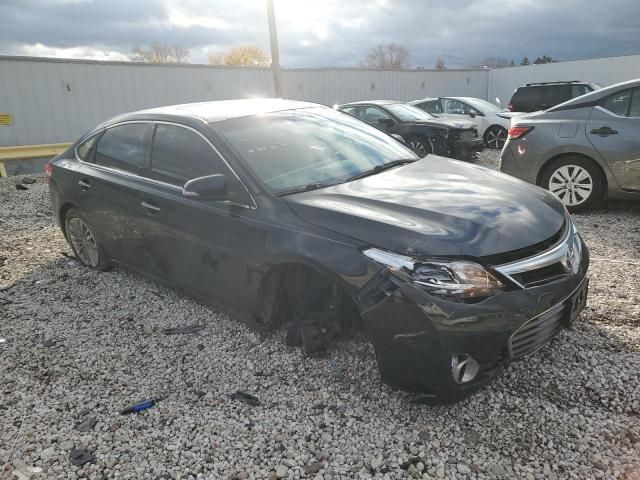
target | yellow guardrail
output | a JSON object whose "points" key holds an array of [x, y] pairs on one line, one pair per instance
{"points": [[28, 152]]}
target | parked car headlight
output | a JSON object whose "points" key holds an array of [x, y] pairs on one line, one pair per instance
{"points": [[451, 279]]}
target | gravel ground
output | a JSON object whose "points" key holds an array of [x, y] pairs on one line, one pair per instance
{"points": [[77, 345]]}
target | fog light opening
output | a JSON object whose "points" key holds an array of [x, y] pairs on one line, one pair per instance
{"points": [[464, 368]]}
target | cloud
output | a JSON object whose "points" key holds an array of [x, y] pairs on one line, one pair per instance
{"points": [[325, 32]]}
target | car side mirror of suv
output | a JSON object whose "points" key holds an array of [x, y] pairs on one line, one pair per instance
{"points": [[210, 187]]}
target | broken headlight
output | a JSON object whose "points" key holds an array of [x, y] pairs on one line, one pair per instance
{"points": [[451, 279]]}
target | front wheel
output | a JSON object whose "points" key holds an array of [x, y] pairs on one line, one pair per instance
{"points": [[420, 146], [576, 181], [84, 243], [495, 136]]}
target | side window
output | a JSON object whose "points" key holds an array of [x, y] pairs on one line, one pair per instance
{"points": [[374, 115], [455, 107], [124, 147], [431, 107], [85, 147], [634, 109], [617, 103], [556, 94], [349, 110], [179, 155], [578, 90]]}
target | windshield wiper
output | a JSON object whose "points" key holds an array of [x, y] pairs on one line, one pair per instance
{"points": [[380, 168], [306, 188]]}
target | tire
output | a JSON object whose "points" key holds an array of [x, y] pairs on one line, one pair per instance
{"points": [[86, 247], [576, 181], [495, 136], [421, 146]]}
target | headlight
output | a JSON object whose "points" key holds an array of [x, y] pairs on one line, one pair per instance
{"points": [[451, 279]]}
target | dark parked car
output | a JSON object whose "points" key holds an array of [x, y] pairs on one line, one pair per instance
{"points": [[423, 132], [540, 96], [295, 215], [582, 150]]}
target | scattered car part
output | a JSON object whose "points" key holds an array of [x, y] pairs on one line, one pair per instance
{"points": [[20, 186], [245, 398], [81, 456], [140, 406], [183, 330], [87, 425]]}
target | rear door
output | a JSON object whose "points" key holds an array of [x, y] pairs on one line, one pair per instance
{"points": [[112, 190], [613, 129]]}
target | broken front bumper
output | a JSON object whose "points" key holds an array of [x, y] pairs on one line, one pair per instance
{"points": [[465, 149], [416, 335]]}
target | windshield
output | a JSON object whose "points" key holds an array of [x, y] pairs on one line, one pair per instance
{"points": [[295, 148], [408, 113], [483, 105]]}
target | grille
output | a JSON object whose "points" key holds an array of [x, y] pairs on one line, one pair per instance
{"points": [[540, 276], [527, 251], [536, 332]]}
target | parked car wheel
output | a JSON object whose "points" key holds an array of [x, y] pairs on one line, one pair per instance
{"points": [[84, 243], [495, 136], [419, 145], [576, 181]]}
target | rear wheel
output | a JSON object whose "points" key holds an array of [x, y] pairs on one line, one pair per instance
{"points": [[576, 181], [85, 245], [419, 145], [495, 136]]}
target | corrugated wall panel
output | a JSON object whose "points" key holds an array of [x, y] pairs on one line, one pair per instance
{"points": [[605, 71]]}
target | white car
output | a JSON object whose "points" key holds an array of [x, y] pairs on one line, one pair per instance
{"points": [[491, 121]]}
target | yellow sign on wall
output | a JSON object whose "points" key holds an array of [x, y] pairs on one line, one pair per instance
{"points": [[5, 119]]}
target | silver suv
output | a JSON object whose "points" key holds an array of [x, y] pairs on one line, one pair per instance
{"points": [[581, 150]]}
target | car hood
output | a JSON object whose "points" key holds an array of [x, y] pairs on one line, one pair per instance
{"points": [[436, 206], [446, 122]]}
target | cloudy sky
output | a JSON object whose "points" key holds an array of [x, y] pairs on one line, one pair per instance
{"points": [[315, 33]]}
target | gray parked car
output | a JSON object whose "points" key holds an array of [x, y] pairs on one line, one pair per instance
{"points": [[581, 150]]}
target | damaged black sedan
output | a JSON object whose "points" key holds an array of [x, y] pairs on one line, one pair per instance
{"points": [[295, 215]]}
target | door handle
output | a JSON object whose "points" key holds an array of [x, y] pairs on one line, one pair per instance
{"points": [[150, 207], [604, 131], [84, 184]]}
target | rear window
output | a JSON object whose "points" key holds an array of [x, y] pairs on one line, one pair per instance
{"points": [[124, 147], [432, 106], [85, 147], [539, 97]]}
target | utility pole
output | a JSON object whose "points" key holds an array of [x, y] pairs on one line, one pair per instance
{"points": [[275, 55]]}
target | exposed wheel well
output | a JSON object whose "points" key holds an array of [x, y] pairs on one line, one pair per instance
{"points": [[305, 299], [603, 175]]}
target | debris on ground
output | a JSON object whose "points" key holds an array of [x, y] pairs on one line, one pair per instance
{"points": [[81, 456], [87, 425], [186, 330], [245, 397], [22, 471], [28, 180], [20, 186], [140, 406]]}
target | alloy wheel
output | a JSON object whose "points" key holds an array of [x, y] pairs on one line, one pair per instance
{"points": [[83, 242], [496, 137], [418, 147], [572, 184]]}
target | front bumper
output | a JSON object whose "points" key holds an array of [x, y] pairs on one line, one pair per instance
{"points": [[415, 334], [466, 149]]}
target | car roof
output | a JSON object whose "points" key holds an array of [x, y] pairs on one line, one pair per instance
{"points": [[370, 102], [425, 99], [216, 111], [597, 95]]}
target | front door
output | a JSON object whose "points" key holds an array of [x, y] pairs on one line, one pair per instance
{"points": [[613, 129]]}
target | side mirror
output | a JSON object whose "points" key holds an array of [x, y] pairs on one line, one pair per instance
{"points": [[398, 138], [211, 187], [472, 114]]}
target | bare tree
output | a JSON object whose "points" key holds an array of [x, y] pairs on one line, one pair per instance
{"points": [[440, 64], [387, 57], [247, 55], [160, 53]]}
